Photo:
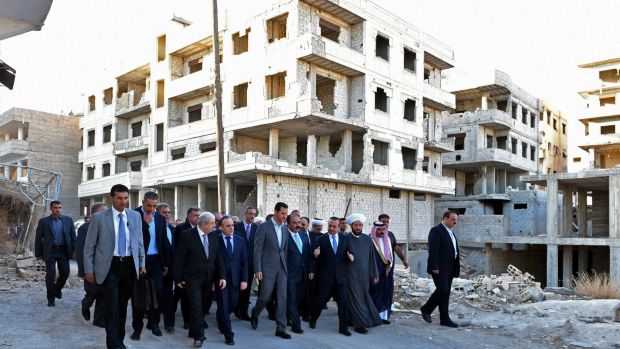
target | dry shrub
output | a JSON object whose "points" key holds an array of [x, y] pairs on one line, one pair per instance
{"points": [[597, 286]]}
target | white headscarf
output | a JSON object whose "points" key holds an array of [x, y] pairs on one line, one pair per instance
{"points": [[356, 217]]}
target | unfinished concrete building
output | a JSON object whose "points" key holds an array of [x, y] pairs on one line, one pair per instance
{"points": [[553, 152], [332, 107]]}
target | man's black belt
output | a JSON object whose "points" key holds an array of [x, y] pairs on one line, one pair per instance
{"points": [[121, 258], [58, 246]]}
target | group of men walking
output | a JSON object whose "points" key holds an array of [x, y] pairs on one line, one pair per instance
{"points": [[208, 257]]}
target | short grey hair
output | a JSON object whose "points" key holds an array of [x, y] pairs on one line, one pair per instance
{"points": [[151, 195], [206, 217], [97, 206], [162, 205]]}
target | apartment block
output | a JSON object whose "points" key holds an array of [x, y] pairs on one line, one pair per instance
{"points": [[332, 106], [553, 152]]}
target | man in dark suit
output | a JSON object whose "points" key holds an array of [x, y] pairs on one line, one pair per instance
{"points": [[232, 248], [247, 231], [167, 294], [443, 265], [298, 266], [54, 244], [311, 288], [179, 294], [332, 260], [91, 289], [270, 254], [154, 232], [198, 262]]}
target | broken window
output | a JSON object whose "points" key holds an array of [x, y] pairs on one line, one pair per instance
{"points": [[194, 65], [514, 111], [90, 172], [194, 113], [459, 141], [426, 160], [427, 75], [380, 154], [381, 100], [160, 93], [410, 158], [532, 153], [105, 169], [136, 129], [555, 124], [382, 47], [206, 147], [524, 150], [489, 141], [240, 42], [563, 128], [159, 135], [603, 101], [240, 96], [91, 138], [410, 110], [161, 48], [275, 85], [532, 120], [608, 129], [135, 166], [394, 194], [524, 115], [107, 96], [91, 103], [501, 142], [329, 30], [410, 59], [107, 134], [177, 153], [520, 206], [276, 28], [325, 88]]}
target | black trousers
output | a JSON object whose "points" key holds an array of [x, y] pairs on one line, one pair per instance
{"points": [[441, 297], [198, 294], [244, 298], [180, 295], [54, 285], [294, 297], [92, 294], [168, 300], [116, 290], [339, 292], [155, 272]]}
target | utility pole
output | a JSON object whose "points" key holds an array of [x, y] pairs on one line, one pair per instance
{"points": [[219, 131]]}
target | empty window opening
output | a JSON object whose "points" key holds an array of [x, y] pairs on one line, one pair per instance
{"points": [[161, 48], [105, 170], [177, 153], [329, 30], [577, 160], [458, 158], [410, 59], [532, 153], [514, 146], [524, 115], [107, 134], [240, 96], [136, 129], [207, 147], [381, 100], [302, 151], [159, 134], [427, 160], [501, 142], [501, 105], [194, 113], [459, 141], [394, 194], [107, 96], [194, 65], [427, 75], [382, 47], [520, 206], [91, 103], [524, 150], [135, 166], [380, 154], [532, 120], [240, 42], [160, 93], [514, 111], [603, 101], [410, 110], [276, 28], [555, 124], [90, 172], [489, 141], [563, 129], [325, 88], [542, 117], [275, 85], [410, 158], [608, 129], [498, 208], [91, 138]]}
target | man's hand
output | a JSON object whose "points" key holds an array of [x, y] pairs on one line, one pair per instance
{"points": [[317, 251], [375, 280], [243, 286], [181, 284], [406, 264], [351, 257], [259, 275], [148, 217], [435, 271], [222, 284], [311, 276], [165, 271], [90, 277], [142, 270]]}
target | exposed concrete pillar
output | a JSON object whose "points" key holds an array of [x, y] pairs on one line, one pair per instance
{"points": [[201, 195], [7, 137], [480, 187], [592, 157], [567, 265], [312, 198], [347, 146], [552, 211], [311, 151], [7, 172], [485, 102], [567, 203], [490, 179], [177, 202], [229, 195], [501, 181], [274, 140], [488, 254], [614, 207], [20, 133], [582, 212], [552, 265], [20, 170], [582, 262], [614, 263]]}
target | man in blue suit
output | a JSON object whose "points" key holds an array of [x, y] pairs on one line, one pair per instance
{"points": [[233, 249], [298, 265], [167, 294], [247, 231]]}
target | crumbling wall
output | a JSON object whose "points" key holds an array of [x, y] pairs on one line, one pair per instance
{"points": [[331, 199]]}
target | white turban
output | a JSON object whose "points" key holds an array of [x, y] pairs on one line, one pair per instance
{"points": [[356, 217], [259, 219], [317, 221]]}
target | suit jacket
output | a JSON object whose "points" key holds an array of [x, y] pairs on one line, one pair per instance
{"points": [[268, 256], [249, 244], [178, 230], [331, 267], [45, 237], [169, 245], [298, 263], [191, 263], [101, 241], [237, 264], [160, 234], [441, 252], [79, 247]]}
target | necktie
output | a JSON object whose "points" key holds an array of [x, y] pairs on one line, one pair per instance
{"points": [[247, 232], [334, 244], [229, 246], [122, 235], [298, 242], [205, 243]]}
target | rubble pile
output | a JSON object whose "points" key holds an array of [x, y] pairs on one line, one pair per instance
{"points": [[21, 270]]}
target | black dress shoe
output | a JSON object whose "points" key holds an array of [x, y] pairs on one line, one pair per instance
{"points": [[230, 341], [426, 316], [313, 324], [297, 330], [59, 294], [85, 313], [254, 322], [169, 329], [361, 330], [135, 336], [51, 302], [345, 332], [449, 324], [156, 331], [386, 322], [198, 342], [283, 335]]}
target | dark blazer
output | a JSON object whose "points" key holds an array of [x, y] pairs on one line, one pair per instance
{"points": [[441, 252], [237, 264], [268, 256], [191, 263], [329, 266], [79, 247], [44, 238], [169, 245], [313, 236], [249, 244], [298, 263], [160, 233], [185, 226]]}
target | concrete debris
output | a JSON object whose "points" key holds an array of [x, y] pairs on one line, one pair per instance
{"points": [[617, 312], [19, 271]]}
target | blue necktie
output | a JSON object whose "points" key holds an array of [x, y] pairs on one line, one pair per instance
{"points": [[298, 242], [247, 232], [122, 244], [229, 246], [205, 243], [334, 245]]}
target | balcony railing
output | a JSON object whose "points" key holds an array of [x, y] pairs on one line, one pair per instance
{"points": [[131, 145], [127, 105]]}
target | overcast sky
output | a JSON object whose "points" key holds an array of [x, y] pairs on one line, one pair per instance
{"points": [[537, 42]]}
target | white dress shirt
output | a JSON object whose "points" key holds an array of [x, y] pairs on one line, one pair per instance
{"points": [[127, 234], [232, 242], [278, 229], [453, 240]]}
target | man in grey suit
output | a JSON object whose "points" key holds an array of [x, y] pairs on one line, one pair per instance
{"points": [[270, 255], [113, 258]]}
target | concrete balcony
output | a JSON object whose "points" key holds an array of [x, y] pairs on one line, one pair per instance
{"points": [[325, 53], [441, 146], [129, 105], [494, 119], [500, 158], [181, 170], [101, 186], [600, 141], [192, 85], [95, 152], [437, 98], [415, 180], [132, 146], [596, 112], [13, 150]]}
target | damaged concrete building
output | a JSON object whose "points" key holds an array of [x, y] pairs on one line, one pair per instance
{"points": [[332, 107], [553, 152]]}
